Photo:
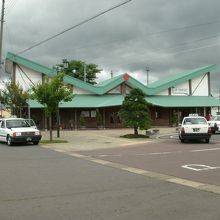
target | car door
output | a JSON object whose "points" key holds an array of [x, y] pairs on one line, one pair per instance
{"points": [[3, 132]]}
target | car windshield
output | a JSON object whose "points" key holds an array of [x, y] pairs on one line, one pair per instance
{"points": [[216, 118], [193, 121], [16, 123], [30, 122]]}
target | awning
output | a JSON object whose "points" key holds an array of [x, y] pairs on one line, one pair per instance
{"points": [[86, 101], [99, 101], [183, 101]]}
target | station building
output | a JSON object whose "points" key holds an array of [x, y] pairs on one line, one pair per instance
{"points": [[171, 98]]}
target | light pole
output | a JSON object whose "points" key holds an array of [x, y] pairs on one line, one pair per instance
{"points": [[65, 64], [147, 69], [1, 32]]}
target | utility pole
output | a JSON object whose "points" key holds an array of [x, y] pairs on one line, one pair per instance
{"points": [[111, 74], [147, 69], [84, 72], [1, 33]]}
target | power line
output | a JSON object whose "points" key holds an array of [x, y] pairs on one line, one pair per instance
{"points": [[73, 27]]}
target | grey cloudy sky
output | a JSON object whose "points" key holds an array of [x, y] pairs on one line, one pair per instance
{"points": [[168, 36]]}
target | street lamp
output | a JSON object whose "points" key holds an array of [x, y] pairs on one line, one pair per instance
{"points": [[147, 69], [65, 64]]}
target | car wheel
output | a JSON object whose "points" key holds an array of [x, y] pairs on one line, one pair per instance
{"points": [[9, 141], [182, 140], [207, 140], [35, 142]]}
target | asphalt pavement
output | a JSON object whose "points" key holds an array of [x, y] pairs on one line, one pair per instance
{"points": [[38, 183]]}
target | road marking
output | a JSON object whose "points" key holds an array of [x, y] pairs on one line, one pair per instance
{"points": [[109, 155], [198, 167], [146, 173], [208, 149], [135, 170], [159, 153], [135, 143]]}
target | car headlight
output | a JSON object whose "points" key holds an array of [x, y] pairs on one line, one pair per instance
{"points": [[16, 134], [37, 132]]}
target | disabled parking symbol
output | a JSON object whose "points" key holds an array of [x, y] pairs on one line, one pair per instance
{"points": [[199, 167]]}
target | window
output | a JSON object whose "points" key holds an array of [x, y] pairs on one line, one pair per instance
{"points": [[3, 124]]}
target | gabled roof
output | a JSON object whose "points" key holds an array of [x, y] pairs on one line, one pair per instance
{"points": [[107, 85], [104, 87], [99, 89], [170, 81], [30, 64]]}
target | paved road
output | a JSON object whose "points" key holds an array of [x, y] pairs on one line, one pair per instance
{"points": [[196, 161], [38, 183]]}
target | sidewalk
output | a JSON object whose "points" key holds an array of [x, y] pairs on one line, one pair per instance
{"points": [[79, 140]]}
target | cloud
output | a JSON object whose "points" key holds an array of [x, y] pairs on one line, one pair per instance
{"points": [[167, 36]]}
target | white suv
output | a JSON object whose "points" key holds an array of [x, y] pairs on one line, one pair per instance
{"points": [[195, 128], [18, 130]]}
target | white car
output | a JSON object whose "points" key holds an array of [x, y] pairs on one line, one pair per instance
{"points": [[18, 130], [195, 128], [214, 123]]}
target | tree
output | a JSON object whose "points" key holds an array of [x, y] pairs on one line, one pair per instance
{"points": [[135, 111], [50, 94], [76, 69], [14, 97]]}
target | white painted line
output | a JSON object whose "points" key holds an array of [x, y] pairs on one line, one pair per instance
{"points": [[77, 155], [59, 150], [135, 143], [109, 155], [208, 149], [198, 167], [185, 182], [166, 152], [134, 170], [100, 161]]}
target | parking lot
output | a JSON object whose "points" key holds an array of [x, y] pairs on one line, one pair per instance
{"points": [[195, 161]]}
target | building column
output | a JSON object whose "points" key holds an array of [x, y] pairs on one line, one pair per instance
{"points": [[45, 121], [104, 118], [75, 118]]}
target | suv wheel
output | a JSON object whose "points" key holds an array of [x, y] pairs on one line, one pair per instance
{"points": [[9, 141]]}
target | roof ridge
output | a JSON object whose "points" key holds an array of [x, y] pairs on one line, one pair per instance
{"points": [[11, 55]]}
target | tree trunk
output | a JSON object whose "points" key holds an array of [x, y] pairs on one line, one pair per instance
{"points": [[58, 123], [136, 130], [50, 125]]}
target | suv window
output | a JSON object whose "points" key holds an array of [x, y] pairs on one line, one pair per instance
{"points": [[191, 121], [16, 123], [3, 124]]}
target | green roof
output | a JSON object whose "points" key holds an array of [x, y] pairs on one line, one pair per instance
{"points": [[170, 81], [104, 87], [94, 101], [30, 64], [184, 101], [86, 101]]}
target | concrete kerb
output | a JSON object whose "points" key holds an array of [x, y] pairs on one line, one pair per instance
{"points": [[101, 139]]}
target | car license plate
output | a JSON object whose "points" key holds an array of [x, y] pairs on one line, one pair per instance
{"points": [[196, 129], [29, 139]]}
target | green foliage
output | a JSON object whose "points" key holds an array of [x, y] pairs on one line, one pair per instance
{"points": [[174, 118], [82, 120], [76, 69], [98, 118], [135, 111], [50, 94], [14, 96]]}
